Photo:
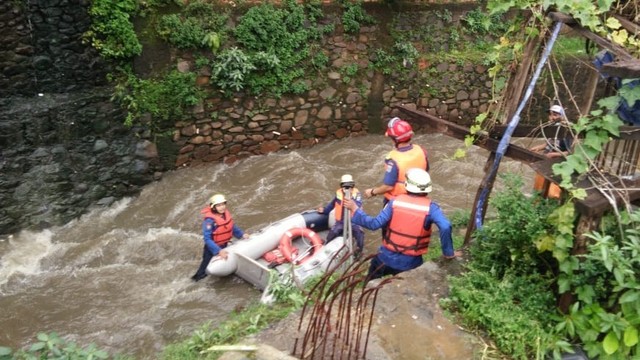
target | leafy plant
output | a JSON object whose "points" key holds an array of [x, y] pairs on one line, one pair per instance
{"points": [[165, 98], [444, 15], [353, 15], [507, 290], [231, 69], [111, 31], [407, 52], [348, 72], [384, 61], [482, 23], [281, 35], [199, 24], [284, 290], [51, 346], [320, 60], [606, 316]]}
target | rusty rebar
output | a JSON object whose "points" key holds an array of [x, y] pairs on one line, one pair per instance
{"points": [[339, 313]]}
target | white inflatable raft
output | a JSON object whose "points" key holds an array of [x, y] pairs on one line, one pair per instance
{"points": [[246, 256]]}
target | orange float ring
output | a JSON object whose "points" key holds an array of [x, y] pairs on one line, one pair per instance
{"points": [[286, 243]]}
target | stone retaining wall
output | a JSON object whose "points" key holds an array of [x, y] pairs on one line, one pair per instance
{"points": [[64, 149]]}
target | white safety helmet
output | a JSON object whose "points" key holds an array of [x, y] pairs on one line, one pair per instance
{"points": [[347, 181], [217, 199], [418, 181], [557, 109]]}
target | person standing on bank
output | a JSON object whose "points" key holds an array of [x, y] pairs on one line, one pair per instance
{"points": [[408, 219], [405, 155], [217, 230], [555, 147], [346, 184]]}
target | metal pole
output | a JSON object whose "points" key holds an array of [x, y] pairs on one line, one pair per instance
{"points": [[347, 234]]}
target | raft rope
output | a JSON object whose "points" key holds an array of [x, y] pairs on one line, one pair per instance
{"points": [[506, 138]]}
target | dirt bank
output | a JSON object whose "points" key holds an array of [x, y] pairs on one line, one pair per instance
{"points": [[408, 322]]}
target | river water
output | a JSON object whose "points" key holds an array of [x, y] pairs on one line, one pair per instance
{"points": [[119, 277]]}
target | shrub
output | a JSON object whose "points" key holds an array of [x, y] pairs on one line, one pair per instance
{"points": [[111, 31], [165, 98], [279, 38], [230, 70], [196, 26], [353, 16], [508, 290]]}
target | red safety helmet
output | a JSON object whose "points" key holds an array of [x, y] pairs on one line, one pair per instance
{"points": [[399, 130]]}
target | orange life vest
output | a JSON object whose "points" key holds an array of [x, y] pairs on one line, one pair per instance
{"points": [[338, 209], [416, 157], [405, 233], [224, 225]]}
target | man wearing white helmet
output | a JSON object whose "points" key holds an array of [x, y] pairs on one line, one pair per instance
{"points": [[217, 230], [346, 184], [554, 147], [407, 220]]}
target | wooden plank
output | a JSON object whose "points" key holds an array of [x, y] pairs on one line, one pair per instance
{"points": [[626, 132], [617, 50], [460, 132], [562, 17], [625, 69], [530, 131], [519, 80], [627, 24], [594, 204]]}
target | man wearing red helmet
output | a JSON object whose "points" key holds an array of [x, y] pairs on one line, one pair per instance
{"points": [[404, 156]]}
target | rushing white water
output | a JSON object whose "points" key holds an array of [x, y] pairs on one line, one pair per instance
{"points": [[119, 277]]}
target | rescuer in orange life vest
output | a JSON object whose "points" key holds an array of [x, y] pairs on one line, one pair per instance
{"points": [[407, 219], [346, 184], [405, 155], [217, 230]]}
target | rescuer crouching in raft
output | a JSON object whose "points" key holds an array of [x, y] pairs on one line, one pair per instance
{"points": [[347, 185], [217, 230], [407, 219]]}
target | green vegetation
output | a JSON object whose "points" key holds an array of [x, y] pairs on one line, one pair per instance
{"points": [[569, 47], [111, 31], [197, 25], [241, 324], [277, 41], [287, 299], [267, 49], [51, 346], [353, 16], [520, 266], [606, 316], [507, 290], [165, 98], [349, 72]]}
